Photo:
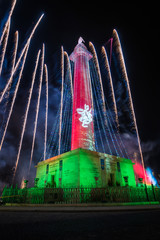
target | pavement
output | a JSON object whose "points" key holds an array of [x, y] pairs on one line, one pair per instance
{"points": [[80, 207], [140, 222]]}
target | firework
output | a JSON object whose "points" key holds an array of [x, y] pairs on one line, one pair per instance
{"points": [[98, 71], [62, 71], [124, 72], [38, 105], [8, 20], [46, 117], [5, 46], [70, 74], [12, 67], [20, 57], [14, 96], [111, 84], [15, 51], [26, 113]]}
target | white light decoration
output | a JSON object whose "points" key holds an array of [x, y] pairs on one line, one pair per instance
{"points": [[86, 115]]}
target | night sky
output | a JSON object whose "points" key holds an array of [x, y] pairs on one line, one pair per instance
{"points": [[65, 21]]}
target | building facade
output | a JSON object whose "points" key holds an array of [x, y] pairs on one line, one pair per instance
{"points": [[83, 168]]}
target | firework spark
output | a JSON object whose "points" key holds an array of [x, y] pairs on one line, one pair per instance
{"points": [[5, 46], [38, 105], [46, 117], [26, 113], [20, 57], [12, 67], [62, 72], [124, 72], [98, 71], [14, 96], [15, 50], [70, 74], [111, 84], [8, 20]]}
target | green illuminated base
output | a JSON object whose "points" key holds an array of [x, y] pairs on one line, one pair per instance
{"points": [[83, 168]]}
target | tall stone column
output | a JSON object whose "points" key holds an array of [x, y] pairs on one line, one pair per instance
{"points": [[82, 112]]}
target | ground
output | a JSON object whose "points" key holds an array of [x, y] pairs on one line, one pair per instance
{"points": [[126, 224]]}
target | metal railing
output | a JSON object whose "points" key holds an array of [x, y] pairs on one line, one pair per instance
{"points": [[81, 195]]}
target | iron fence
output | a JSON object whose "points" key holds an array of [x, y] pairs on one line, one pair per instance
{"points": [[81, 195]]}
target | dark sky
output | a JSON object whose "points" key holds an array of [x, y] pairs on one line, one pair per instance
{"points": [[138, 27]]}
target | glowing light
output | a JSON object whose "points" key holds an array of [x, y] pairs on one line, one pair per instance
{"points": [[46, 117], [13, 64], [123, 67], [111, 43], [82, 134], [111, 84], [26, 113], [141, 173], [5, 46], [80, 40], [99, 74], [106, 120], [14, 97], [15, 50], [86, 115], [22, 183], [70, 74], [151, 176], [8, 20], [62, 72], [38, 104], [20, 57]]}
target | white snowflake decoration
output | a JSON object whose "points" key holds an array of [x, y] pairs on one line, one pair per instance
{"points": [[86, 115]]}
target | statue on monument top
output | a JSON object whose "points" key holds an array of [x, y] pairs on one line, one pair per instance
{"points": [[80, 40]]}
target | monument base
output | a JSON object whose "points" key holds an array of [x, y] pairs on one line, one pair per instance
{"points": [[83, 168]]}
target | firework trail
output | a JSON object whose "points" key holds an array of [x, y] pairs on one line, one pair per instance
{"points": [[111, 84], [12, 67], [62, 72], [38, 105], [46, 118], [111, 43], [99, 73], [5, 46], [22, 183], [20, 57], [92, 102], [8, 20], [14, 97], [15, 51], [107, 121], [70, 74], [123, 68], [26, 114], [14, 56]]}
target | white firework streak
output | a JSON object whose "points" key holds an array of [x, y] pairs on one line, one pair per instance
{"points": [[14, 97], [8, 20], [13, 64], [26, 113], [111, 84], [5, 46], [37, 108], [70, 74], [46, 117], [99, 74], [19, 60], [60, 124], [15, 51], [123, 67]]}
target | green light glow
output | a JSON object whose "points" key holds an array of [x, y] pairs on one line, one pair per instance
{"points": [[83, 168]]}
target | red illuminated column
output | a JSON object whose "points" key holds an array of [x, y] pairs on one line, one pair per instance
{"points": [[82, 112]]}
